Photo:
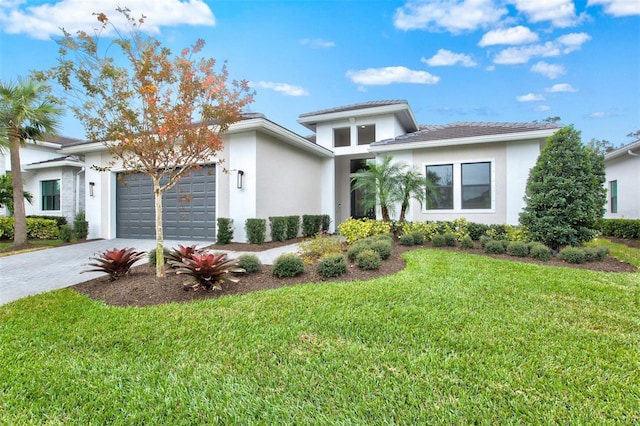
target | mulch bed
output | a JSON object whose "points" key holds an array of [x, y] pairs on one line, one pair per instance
{"points": [[142, 288]]}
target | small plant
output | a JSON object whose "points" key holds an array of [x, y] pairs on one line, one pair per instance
{"points": [[116, 263], [332, 265], [208, 269], [181, 252], [368, 259], [407, 239], [319, 246], [540, 251], [293, 226], [494, 247], [450, 239], [572, 255], [518, 248], [383, 247], [356, 248], [66, 233], [225, 231], [153, 254], [249, 262], [357, 229], [484, 239], [80, 226], [288, 265], [256, 230], [601, 253], [466, 242], [439, 240]]}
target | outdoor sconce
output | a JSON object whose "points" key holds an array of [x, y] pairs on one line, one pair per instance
{"points": [[91, 186], [239, 179]]}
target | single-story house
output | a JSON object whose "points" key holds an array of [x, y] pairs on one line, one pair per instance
{"points": [[623, 182], [481, 170]]}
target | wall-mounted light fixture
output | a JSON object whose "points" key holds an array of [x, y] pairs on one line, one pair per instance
{"points": [[239, 179], [92, 185]]}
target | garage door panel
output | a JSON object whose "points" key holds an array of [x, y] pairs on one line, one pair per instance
{"points": [[188, 207]]}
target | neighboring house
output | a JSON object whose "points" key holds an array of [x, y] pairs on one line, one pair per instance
{"points": [[268, 170], [623, 182], [56, 182]]}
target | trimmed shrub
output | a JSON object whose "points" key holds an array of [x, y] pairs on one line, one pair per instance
{"points": [[466, 242], [418, 238], [80, 226], [601, 253], [368, 259], [407, 239], [319, 246], [152, 254], [497, 232], [288, 265], [60, 220], [6, 227], [450, 239], [439, 240], [325, 222], [477, 230], [518, 248], [225, 230], [572, 255], [357, 229], [356, 248], [66, 233], [539, 251], [484, 239], [278, 225], [256, 230], [311, 224], [427, 229], [249, 262], [384, 248], [42, 229], [494, 247], [332, 266], [621, 228], [293, 227]]}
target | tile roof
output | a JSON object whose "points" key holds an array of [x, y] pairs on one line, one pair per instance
{"points": [[460, 130], [72, 158], [353, 107]]}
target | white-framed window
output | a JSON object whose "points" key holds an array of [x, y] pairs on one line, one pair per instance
{"points": [[613, 196], [50, 190], [366, 134], [463, 185], [341, 137]]}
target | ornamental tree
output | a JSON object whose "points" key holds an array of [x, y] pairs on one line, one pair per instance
{"points": [[158, 113], [565, 195]]}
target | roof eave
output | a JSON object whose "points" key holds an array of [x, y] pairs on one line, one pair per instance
{"points": [[53, 164], [409, 121], [623, 151]]}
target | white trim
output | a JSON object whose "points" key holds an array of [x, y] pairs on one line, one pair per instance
{"points": [[53, 164], [311, 121]]}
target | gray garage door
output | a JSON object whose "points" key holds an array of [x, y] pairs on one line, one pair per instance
{"points": [[188, 208]]}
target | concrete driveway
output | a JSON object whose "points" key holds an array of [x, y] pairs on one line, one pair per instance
{"points": [[40, 271]]}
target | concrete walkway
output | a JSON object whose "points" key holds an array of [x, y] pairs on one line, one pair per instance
{"points": [[40, 271]]}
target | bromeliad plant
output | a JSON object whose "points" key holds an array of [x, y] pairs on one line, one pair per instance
{"points": [[116, 262], [208, 269], [181, 252]]}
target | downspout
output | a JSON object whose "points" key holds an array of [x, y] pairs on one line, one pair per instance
{"points": [[633, 153]]}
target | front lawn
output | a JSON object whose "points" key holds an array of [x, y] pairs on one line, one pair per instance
{"points": [[453, 339]]}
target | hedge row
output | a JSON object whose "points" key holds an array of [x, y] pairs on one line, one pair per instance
{"points": [[621, 228], [37, 229]]}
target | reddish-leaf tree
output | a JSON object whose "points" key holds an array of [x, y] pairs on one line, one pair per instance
{"points": [[158, 113]]}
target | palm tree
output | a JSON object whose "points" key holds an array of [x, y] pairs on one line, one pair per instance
{"points": [[27, 111], [412, 184], [379, 181], [6, 193]]}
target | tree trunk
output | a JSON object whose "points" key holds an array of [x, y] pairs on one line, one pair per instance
{"points": [[19, 215], [385, 214], [160, 273]]}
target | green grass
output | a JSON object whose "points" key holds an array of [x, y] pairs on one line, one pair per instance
{"points": [[453, 339], [619, 251], [4, 244]]}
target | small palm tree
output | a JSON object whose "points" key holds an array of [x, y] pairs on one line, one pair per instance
{"points": [[6, 193], [379, 180], [412, 184], [27, 111]]}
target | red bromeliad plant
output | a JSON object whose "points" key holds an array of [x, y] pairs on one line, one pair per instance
{"points": [[116, 262], [181, 252], [209, 270]]}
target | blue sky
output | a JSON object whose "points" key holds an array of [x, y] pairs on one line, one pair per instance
{"points": [[452, 60]]}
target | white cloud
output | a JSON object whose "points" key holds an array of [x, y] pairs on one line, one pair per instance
{"points": [[599, 114], [550, 71], [284, 88], [451, 15], [618, 7], [447, 57], [561, 87], [561, 13], [522, 55], [317, 43], [388, 75], [542, 108], [45, 20], [513, 35], [530, 97], [573, 41]]}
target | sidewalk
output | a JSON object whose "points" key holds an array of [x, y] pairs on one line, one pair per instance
{"points": [[40, 271]]}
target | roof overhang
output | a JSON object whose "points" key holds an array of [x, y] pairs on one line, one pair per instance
{"points": [[402, 112], [53, 164], [505, 137], [631, 150]]}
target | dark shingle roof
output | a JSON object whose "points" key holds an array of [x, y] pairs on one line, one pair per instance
{"points": [[353, 107], [465, 130]]}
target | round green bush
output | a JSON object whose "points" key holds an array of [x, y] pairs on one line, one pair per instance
{"points": [[539, 251], [439, 240], [356, 248], [418, 238], [518, 248], [484, 240], [601, 253], [332, 265], [494, 247], [368, 259], [572, 255], [466, 242], [66, 233], [249, 262], [384, 248], [450, 239], [383, 237], [288, 265], [407, 240], [152, 256]]}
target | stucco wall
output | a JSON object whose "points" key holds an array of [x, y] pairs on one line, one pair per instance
{"points": [[626, 170]]}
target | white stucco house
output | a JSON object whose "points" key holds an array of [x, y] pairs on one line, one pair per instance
{"points": [[481, 169], [623, 182]]}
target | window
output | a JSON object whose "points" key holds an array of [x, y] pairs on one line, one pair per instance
{"points": [[358, 196], [613, 196], [342, 137], [50, 194], [442, 176], [366, 134], [476, 186]]}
